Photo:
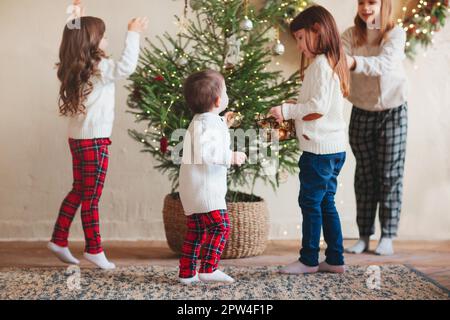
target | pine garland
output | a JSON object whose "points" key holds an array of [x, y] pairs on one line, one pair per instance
{"points": [[420, 25]]}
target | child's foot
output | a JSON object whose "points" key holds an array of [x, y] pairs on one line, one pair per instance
{"points": [[99, 260], [189, 281], [325, 267], [298, 268], [216, 276], [361, 246], [62, 253], [385, 247]]}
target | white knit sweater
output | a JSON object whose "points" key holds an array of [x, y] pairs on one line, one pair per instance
{"points": [[206, 158], [99, 117], [379, 80], [320, 93]]}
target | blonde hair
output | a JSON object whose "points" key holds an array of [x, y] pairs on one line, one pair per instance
{"points": [[387, 24]]}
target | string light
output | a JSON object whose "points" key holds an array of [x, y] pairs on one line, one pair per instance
{"points": [[421, 10]]}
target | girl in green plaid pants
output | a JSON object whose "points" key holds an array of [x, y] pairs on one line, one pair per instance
{"points": [[375, 49]]}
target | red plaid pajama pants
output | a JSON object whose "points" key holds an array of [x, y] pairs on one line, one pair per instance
{"points": [[90, 163], [207, 234]]}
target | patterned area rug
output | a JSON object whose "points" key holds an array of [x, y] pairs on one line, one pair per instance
{"points": [[156, 283]]}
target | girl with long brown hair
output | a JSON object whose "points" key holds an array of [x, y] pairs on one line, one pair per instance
{"points": [[378, 125], [86, 98], [321, 132]]}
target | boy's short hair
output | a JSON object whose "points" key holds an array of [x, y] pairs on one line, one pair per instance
{"points": [[201, 90]]}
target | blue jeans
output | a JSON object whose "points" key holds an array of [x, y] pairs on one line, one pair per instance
{"points": [[318, 185]]}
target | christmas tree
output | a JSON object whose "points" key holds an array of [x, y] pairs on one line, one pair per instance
{"points": [[235, 38]]}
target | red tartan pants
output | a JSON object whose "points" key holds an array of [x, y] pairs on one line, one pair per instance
{"points": [[207, 234], [90, 163]]}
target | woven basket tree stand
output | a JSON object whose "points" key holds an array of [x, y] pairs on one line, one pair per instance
{"points": [[249, 227]]}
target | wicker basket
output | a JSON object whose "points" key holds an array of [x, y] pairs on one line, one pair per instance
{"points": [[248, 234]]}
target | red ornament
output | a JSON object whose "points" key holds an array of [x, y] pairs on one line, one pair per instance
{"points": [[159, 78], [163, 144], [434, 20]]}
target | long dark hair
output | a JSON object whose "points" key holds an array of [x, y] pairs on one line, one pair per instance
{"points": [[319, 20], [79, 56]]}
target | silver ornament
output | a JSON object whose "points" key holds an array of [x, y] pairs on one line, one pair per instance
{"points": [[279, 48], [182, 61], [247, 24]]}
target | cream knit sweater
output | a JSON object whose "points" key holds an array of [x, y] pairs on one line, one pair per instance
{"points": [[379, 80], [206, 159], [99, 117], [320, 93]]}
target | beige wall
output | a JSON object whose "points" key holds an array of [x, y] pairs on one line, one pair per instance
{"points": [[35, 171]]}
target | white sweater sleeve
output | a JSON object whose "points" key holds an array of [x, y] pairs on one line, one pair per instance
{"points": [[392, 53], [126, 65], [318, 81]]}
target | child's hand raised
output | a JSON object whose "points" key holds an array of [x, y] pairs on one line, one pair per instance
{"points": [[277, 114], [76, 10], [229, 116], [238, 158], [138, 24]]}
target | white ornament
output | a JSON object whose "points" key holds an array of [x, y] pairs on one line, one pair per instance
{"points": [[234, 51], [279, 48], [182, 61], [247, 24]]}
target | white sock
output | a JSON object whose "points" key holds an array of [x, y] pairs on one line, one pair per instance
{"points": [[216, 276], [99, 260], [189, 281], [385, 247], [62, 253], [299, 268], [360, 246]]}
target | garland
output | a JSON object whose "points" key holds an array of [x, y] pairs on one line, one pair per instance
{"points": [[427, 18]]}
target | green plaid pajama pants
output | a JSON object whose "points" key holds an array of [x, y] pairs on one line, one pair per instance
{"points": [[378, 141]]}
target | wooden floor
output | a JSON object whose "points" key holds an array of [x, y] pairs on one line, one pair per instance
{"points": [[429, 257]]}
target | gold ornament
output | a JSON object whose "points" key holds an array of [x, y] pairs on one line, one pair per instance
{"points": [[282, 131]]}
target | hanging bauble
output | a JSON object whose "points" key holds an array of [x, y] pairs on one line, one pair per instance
{"points": [[163, 144], [182, 61], [278, 48], [247, 24], [196, 4], [234, 119]]}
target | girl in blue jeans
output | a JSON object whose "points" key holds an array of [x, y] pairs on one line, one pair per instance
{"points": [[321, 132]]}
